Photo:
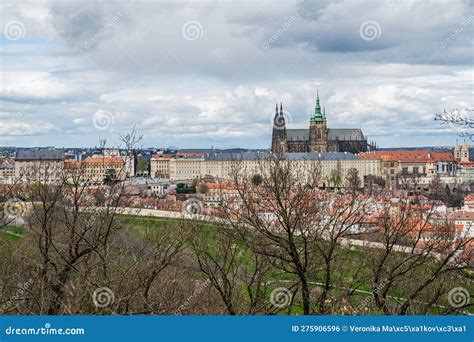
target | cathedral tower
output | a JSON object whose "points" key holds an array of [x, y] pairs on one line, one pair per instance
{"points": [[464, 153], [457, 151], [279, 142], [318, 132]]}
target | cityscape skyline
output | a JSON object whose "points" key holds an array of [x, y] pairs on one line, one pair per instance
{"points": [[299, 169], [208, 74]]}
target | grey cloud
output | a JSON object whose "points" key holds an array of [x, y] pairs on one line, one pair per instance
{"points": [[202, 92]]}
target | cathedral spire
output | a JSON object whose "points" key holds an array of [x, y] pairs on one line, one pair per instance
{"points": [[317, 115], [279, 120]]}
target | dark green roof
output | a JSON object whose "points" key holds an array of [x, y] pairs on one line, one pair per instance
{"points": [[318, 116]]}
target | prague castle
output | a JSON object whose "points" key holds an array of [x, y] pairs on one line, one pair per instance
{"points": [[318, 138]]}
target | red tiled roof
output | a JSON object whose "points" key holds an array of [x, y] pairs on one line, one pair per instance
{"points": [[408, 156], [464, 215], [103, 160], [443, 156], [167, 156], [459, 228], [222, 186], [72, 164]]}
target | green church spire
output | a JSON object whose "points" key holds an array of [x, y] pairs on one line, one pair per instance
{"points": [[318, 116]]}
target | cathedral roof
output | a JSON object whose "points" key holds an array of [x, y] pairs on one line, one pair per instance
{"points": [[333, 134], [345, 134], [297, 134]]}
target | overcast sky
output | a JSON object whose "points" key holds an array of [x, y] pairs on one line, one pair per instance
{"points": [[201, 74]]}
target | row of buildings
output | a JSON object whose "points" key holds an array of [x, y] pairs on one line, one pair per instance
{"points": [[395, 167], [49, 164], [185, 166], [421, 167]]}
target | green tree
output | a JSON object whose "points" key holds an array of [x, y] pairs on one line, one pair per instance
{"points": [[257, 179], [335, 178], [203, 188]]}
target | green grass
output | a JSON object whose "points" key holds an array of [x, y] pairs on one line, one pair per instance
{"points": [[351, 257], [149, 227], [12, 234]]}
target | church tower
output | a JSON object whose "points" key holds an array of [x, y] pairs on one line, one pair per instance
{"points": [[465, 153], [279, 142], [457, 152], [318, 132]]}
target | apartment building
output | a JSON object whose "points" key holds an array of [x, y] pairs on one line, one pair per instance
{"points": [[7, 172], [97, 168], [420, 166], [39, 164], [220, 165]]}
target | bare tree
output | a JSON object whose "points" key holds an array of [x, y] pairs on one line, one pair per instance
{"points": [[459, 120], [234, 271], [285, 218], [417, 256]]}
